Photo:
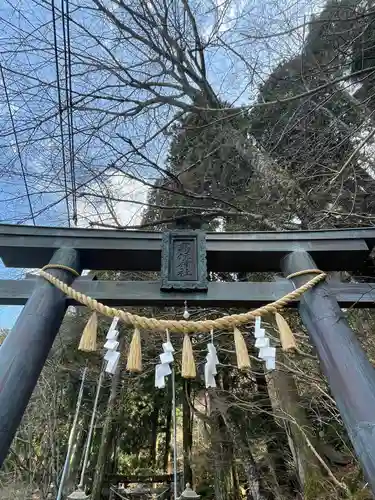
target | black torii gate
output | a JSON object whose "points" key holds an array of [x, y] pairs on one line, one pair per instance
{"points": [[349, 372]]}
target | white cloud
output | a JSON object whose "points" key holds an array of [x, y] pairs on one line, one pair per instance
{"points": [[127, 213]]}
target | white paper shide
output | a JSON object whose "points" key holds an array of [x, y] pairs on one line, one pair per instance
{"points": [[112, 356], [262, 342], [163, 369], [210, 367]]}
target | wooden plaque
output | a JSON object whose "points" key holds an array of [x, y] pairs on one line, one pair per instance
{"points": [[184, 263]]}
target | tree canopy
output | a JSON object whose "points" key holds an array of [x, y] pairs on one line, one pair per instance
{"points": [[232, 115]]}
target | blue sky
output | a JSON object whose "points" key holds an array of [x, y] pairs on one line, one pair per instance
{"points": [[8, 314], [26, 53]]}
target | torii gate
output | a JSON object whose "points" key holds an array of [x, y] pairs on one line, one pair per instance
{"points": [[349, 372]]}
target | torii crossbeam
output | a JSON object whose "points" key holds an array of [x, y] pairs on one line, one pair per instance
{"points": [[349, 372]]}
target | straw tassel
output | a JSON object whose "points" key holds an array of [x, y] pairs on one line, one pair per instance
{"points": [[188, 363], [243, 360], [287, 339], [134, 363], [89, 335]]}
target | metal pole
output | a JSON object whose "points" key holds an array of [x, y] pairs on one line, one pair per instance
{"points": [[350, 374], [71, 437], [88, 442], [174, 434], [25, 349]]}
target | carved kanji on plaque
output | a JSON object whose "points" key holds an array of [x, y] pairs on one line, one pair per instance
{"points": [[184, 265]]}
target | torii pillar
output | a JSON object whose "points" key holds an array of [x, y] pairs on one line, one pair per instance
{"points": [[25, 349], [350, 374]]}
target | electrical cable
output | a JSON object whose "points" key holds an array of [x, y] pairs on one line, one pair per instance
{"points": [[60, 110], [65, 13]]}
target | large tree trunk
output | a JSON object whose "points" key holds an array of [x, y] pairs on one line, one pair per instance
{"points": [[287, 404], [255, 487], [93, 459], [187, 433], [154, 430], [105, 443], [111, 466], [168, 427], [277, 444], [221, 460], [235, 482], [254, 481], [76, 456]]}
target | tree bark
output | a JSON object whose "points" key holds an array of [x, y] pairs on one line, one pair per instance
{"points": [[254, 481], [168, 427], [187, 433], [235, 482], [154, 430], [255, 490], [222, 466], [75, 458], [105, 441], [277, 444], [287, 403]]}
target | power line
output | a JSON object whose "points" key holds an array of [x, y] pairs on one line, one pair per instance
{"points": [[17, 145], [60, 109], [69, 100], [73, 170]]}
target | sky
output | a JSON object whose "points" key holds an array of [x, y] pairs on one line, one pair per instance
{"points": [[128, 214], [26, 42]]}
